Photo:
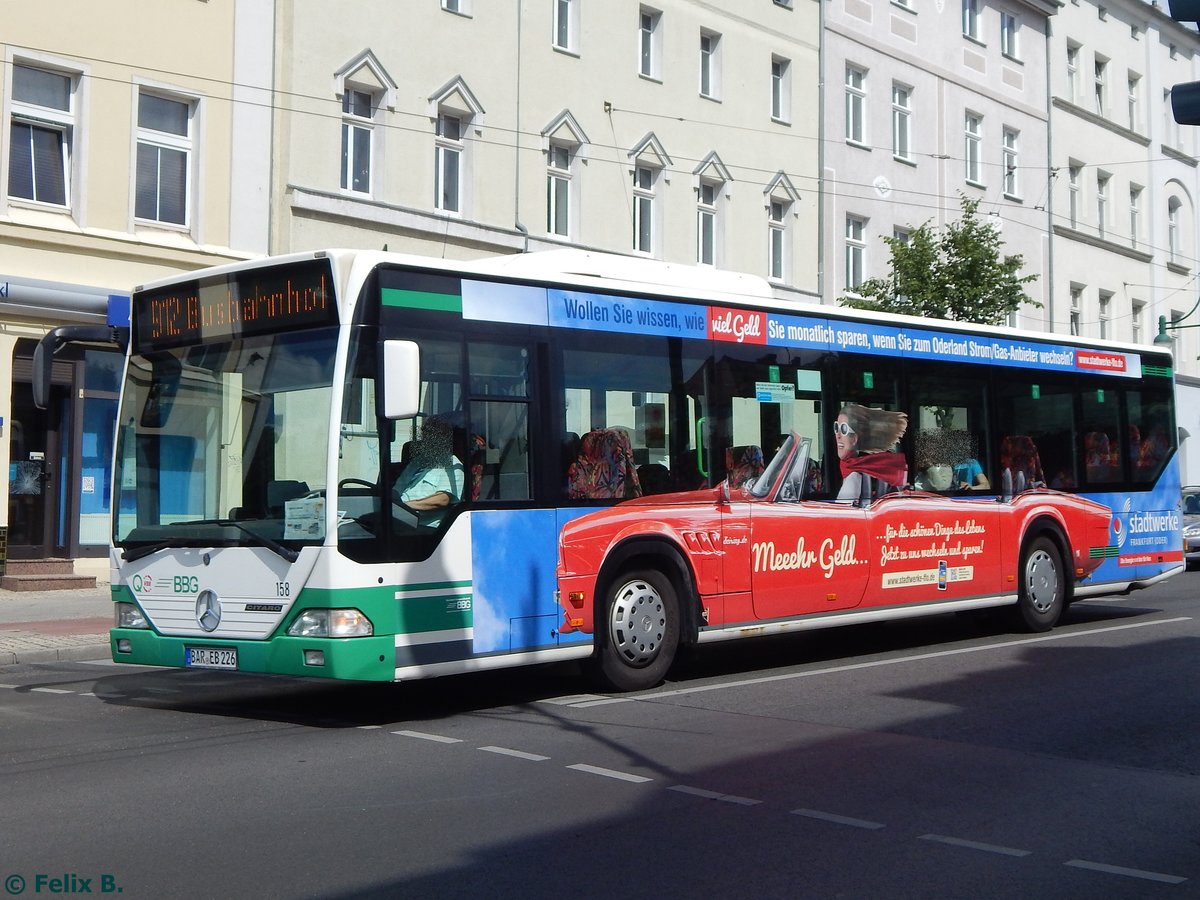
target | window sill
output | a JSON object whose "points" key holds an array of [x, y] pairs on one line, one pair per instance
{"points": [[656, 79], [565, 51], [858, 145], [976, 184], [904, 160], [713, 98], [779, 121]]}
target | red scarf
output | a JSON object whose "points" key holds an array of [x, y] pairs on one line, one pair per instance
{"points": [[888, 466]]}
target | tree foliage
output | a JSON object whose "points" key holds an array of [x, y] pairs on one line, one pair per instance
{"points": [[957, 274]]}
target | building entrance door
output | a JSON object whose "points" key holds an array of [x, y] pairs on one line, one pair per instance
{"points": [[35, 524]]}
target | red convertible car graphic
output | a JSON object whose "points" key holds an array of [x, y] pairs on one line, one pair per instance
{"points": [[728, 562]]}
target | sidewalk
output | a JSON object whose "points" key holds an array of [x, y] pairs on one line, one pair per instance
{"points": [[48, 626]]}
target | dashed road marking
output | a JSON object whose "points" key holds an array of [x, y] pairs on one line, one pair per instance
{"points": [[1129, 873], [519, 754], [839, 820], [436, 738], [714, 795], [974, 845], [46, 690], [610, 773]]}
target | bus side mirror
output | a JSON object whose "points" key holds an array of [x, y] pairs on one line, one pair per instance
{"points": [[43, 354], [401, 379]]}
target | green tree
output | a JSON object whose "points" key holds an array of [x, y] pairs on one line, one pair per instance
{"points": [[957, 274]]}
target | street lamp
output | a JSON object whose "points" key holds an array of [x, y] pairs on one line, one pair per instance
{"points": [[1163, 324]]}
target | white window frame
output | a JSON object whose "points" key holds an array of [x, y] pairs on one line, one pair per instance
{"points": [[1100, 85], [565, 33], [710, 64], [970, 20], [645, 208], [1133, 99], [62, 122], [356, 126], [1174, 206], [781, 89], [1074, 193], [1103, 181], [973, 148], [458, 7], [1010, 35], [856, 252], [1135, 214], [172, 143], [709, 224], [778, 244], [901, 122], [1137, 315], [650, 29], [449, 162], [560, 190], [1076, 310], [1104, 299], [856, 105], [1073, 53], [1011, 163]]}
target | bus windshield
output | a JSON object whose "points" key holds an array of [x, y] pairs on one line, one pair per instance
{"points": [[224, 443]]}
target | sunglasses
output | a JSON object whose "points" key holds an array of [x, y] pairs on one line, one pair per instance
{"points": [[842, 428]]}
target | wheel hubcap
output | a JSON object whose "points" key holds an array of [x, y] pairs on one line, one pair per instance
{"points": [[1041, 581], [638, 623]]}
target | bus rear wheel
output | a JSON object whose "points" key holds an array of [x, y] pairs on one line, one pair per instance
{"points": [[641, 632], [1043, 589]]}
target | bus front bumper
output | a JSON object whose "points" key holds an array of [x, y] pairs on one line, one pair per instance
{"points": [[352, 659]]}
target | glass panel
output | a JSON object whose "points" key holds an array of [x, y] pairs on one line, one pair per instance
{"points": [[42, 88], [499, 370], [497, 451], [161, 114]]}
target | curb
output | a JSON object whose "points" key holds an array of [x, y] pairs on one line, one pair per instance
{"points": [[98, 650]]}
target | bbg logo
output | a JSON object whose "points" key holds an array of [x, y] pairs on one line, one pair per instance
{"points": [[185, 584]]}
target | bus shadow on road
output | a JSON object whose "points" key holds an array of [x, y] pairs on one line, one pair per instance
{"points": [[319, 703]]}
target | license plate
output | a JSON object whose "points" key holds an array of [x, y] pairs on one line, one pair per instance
{"points": [[210, 657]]}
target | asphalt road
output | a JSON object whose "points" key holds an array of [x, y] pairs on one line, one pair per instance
{"points": [[943, 758]]}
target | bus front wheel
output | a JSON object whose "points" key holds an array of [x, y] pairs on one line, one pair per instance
{"points": [[1042, 593], [641, 632]]}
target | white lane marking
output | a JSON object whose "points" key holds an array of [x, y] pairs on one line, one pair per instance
{"points": [[714, 795], [10, 686], [45, 690], [839, 820], [974, 845], [1130, 873], [833, 670], [436, 738], [610, 773], [572, 699], [519, 754], [368, 727]]}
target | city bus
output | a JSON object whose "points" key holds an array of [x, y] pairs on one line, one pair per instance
{"points": [[368, 466]]}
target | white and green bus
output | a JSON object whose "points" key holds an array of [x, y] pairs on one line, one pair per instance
{"points": [[358, 465]]}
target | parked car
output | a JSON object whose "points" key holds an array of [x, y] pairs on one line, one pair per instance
{"points": [[1191, 526]]}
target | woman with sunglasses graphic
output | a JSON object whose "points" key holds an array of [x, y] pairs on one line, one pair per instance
{"points": [[864, 438]]}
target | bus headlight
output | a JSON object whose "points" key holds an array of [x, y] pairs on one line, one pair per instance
{"points": [[331, 623], [127, 615]]}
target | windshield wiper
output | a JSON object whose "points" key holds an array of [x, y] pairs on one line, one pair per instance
{"points": [[261, 539]]}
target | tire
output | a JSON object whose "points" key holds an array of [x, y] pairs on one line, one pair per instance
{"points": [[639, 632], [1042, 594]]}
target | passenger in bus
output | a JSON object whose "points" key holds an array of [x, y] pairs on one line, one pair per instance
{"points": [[969, 476], [864, 438], [433, 481]]}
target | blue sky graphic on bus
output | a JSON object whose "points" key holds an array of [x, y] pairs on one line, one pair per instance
{"points": [[586, 311]]}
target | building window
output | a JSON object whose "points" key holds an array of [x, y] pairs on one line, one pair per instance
{"points": [[1098, 86], [1136, 318], [1106, 314], [710, 65], [901, 122], [1172, 135], [856, 251], [650, 43], [777, 243], [1173, 240], [781, 89], [970, 19], [708, 223], [644, 183], [164, 151], [1010, 29], [41, 135], [856, 101], [1135, 214], [462, 7], [1074, 174], [565, 26], [448, 158], [357, 135], [1073, 73], [1011, 162], [558, 190], [1076, 309], [1102, 182], [1135, 87], [973, 147]]}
